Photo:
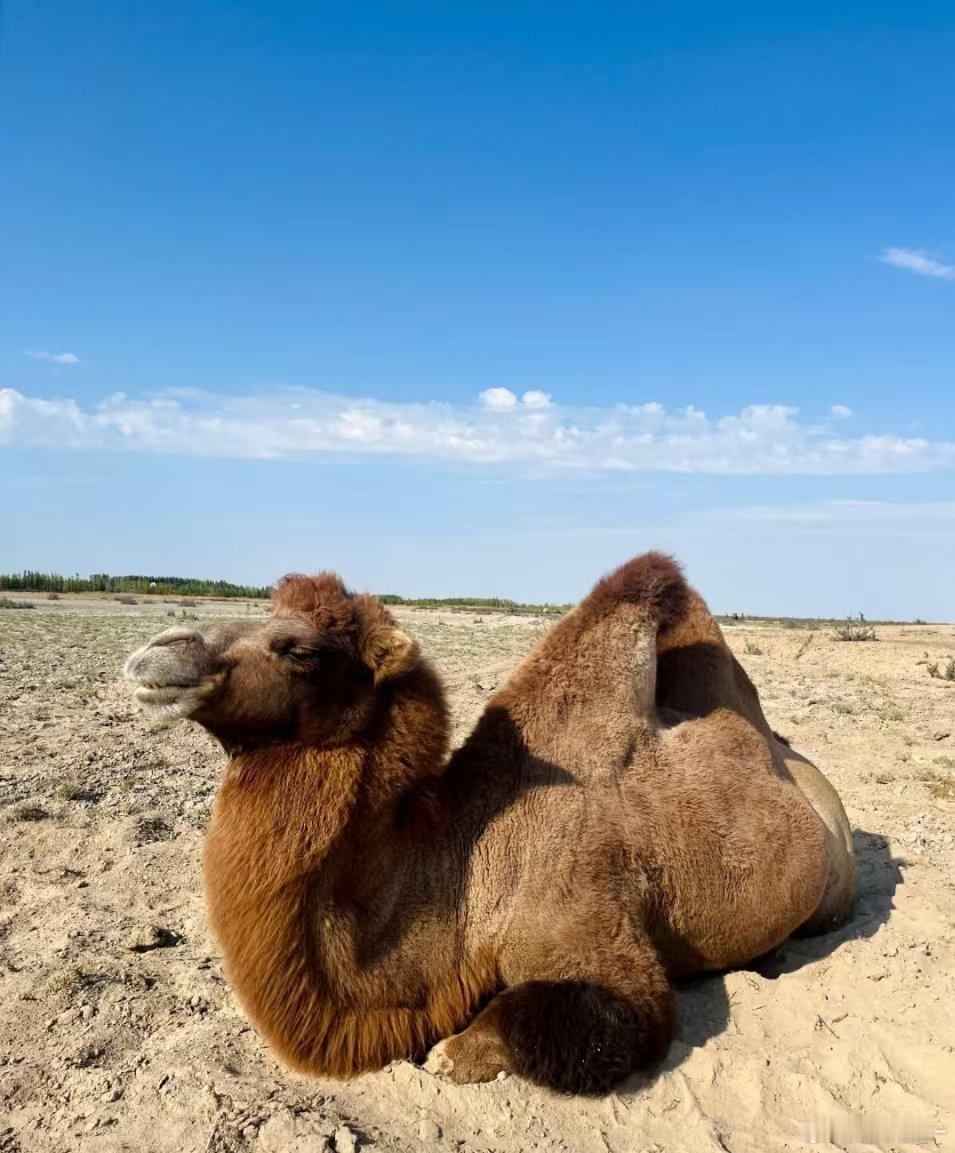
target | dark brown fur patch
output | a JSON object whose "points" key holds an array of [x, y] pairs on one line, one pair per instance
{"points": [[577, 1037], [322, 600]]}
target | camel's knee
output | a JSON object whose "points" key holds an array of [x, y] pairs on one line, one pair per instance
{"points": [[582, 1012], [571, 1036]]}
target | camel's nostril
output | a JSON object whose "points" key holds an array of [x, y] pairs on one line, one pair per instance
{"points": [[175, 637], [177, 656]]}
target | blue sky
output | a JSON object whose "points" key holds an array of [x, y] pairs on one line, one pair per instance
{"points": [[483, 297]]}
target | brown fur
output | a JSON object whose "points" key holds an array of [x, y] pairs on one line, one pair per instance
{"points": [[620, 815]]}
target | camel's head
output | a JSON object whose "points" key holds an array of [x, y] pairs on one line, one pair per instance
{"points": [[311, 672]]}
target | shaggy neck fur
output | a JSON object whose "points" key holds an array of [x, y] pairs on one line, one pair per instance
{"points": [[303, 887]]}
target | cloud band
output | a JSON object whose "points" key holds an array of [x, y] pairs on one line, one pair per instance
{"points": [[308, 424]]}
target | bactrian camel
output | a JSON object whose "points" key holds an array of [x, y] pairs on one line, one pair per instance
{"points": [[621, 816]]}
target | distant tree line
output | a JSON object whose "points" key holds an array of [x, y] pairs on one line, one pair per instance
{"points": [[498, 604], [479, 602], [101, 582]]}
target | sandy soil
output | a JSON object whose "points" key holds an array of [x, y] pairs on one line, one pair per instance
{"points": [[117, 1031]]}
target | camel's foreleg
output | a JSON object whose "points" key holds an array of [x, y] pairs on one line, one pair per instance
{"points": [[588, 1017]]}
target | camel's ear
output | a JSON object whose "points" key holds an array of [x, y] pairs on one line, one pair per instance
{"points": [[388, 651]]}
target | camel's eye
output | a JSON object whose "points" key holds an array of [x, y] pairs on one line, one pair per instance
{"points": [[296, 651], [302, 653]]}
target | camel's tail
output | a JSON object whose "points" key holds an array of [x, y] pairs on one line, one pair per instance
{"points": [[653, 581]]}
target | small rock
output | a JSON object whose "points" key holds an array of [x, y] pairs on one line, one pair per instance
{"points": [[111, 1095], [86, 1011], [284, 1132], [429, 1130], [146, 937], [278, 1132], [345, 1140]]}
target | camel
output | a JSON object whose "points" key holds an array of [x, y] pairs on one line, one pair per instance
{"points": [[620, 817]]}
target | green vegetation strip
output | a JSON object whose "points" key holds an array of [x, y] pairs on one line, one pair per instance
{"points": [[41, 582]]}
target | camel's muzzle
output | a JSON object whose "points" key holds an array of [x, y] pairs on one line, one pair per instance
{"points": [[175, 658], [168, 670]]}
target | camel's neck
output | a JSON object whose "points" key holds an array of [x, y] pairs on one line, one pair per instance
{"points": [[291, 812], [277, 819], [323, 919]]}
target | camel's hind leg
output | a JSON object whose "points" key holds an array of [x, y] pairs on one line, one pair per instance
{"points": [[838, 900], [699, 677]]}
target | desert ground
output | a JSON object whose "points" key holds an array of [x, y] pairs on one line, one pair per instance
{"points": [[118, 1032]]}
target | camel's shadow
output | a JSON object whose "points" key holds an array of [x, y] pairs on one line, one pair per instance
{"points": [[703, 1004]]}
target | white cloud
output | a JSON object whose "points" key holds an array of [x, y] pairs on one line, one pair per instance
{"points": [[307, 424], [534, 398], [841, 411], [53, 357], [915, 260], [499, 399]]}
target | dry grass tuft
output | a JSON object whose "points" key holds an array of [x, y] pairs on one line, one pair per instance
{"points": [[805, 645], [28, 811], [855, 629], [940, 785]]}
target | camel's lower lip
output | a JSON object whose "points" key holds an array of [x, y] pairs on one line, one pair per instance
{"points": [[159, 694]]}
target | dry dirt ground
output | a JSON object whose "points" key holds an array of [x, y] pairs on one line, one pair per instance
{"points": [[117, 1031]]}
